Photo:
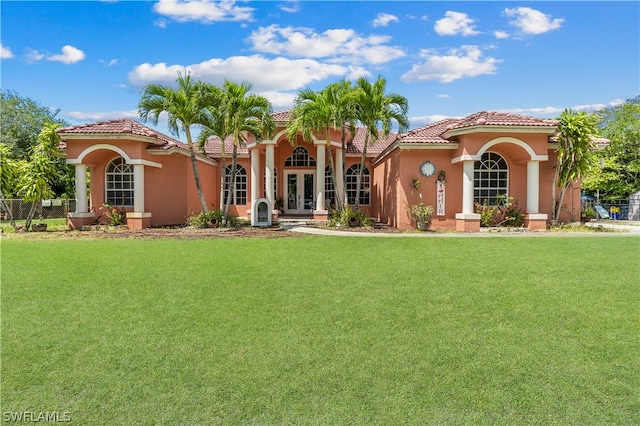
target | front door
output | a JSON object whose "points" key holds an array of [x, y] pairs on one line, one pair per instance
{"points": [[300, 186]]}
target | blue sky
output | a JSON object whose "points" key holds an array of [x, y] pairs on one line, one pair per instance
{"points": [[91, 59]]}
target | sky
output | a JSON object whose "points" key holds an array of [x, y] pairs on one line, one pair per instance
{"points": [[91, 59]]}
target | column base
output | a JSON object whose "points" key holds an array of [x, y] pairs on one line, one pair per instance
{"points": [[536, 222], [77, 220], [138, 220], [322, 215], [467, 222]]}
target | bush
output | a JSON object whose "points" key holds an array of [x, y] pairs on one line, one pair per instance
{"points": [[115, 215], [206, 220], [505, 213], [347, 216]]}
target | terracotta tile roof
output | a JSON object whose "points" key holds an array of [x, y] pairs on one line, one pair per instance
{"points": [[124, 127], [357, 145], [492, 118], [431, 133], [281, 116], [213, 147]]}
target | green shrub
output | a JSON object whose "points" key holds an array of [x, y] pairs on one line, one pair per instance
{"points": [[345, 216], [115, 215], [505, 213], [207, 220]]}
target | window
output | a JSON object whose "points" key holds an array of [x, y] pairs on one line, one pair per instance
{"points": [[119, 183], [329, 190], [239, 193], [275, 183], [300, 158], [352, 185], [490, 178]]}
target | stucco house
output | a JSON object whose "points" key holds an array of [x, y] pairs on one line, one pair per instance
{"points": [[449, 164]]}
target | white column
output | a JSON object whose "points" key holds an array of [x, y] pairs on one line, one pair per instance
{"points": [[533, 186], [81, 188], [255, 172], [320, 156], [467, 187], [269, 160], [338, 172], [138, 188]]}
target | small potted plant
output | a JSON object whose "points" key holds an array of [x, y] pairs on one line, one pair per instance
{"points": [[278, 204], [587, 214], [415, 183], [422, 215]]}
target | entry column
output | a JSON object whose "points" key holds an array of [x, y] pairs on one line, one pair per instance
{"points": [[81, 216], [535, 220], [255, 171], [269, 160], [467, 220], [138, 219]]}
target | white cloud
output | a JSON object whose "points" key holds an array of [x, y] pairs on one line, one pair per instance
{"points": [[205, 11], [291, 6], [501, 34], [109, 63], [277, 78], [467, 61], [5, 52], [444, 96], [384, 19], [423, 120], [532, 22], [339, 45], [70, 55], [33, 55], [455, 23]]}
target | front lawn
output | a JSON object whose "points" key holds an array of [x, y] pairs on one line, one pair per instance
{"points": [[323, 330]]}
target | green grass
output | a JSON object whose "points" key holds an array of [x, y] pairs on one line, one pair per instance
{"points": [[325, 331], [54, 224]]}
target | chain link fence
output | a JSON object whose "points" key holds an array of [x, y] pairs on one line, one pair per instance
{"points": [[57, 208]]}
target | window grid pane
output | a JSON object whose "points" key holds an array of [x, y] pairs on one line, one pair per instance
{"points": [[491, 178], [352, 185], [119, 183]]}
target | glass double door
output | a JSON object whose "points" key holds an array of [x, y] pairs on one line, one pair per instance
{"points": [[300, 186]]}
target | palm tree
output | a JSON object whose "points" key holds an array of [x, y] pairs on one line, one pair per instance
{"points": [[235, 113], [344, 117], [376, 108], [315, 112], [184, 107]]}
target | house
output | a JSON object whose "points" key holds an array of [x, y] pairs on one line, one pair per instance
{"points": [[450, 164]]}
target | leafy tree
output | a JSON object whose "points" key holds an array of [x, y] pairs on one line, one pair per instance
{"points": [[22, 120], [184, 107], [376, 108], [8, 172], [39, 173], [235, 113], [619, 175], [576, 132]]}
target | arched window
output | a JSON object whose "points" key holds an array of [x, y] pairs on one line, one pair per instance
{"points": [[490, 178], [239, 193], [300, 158], [119, 183], [275, 183], [352, 185], [329, 190]]}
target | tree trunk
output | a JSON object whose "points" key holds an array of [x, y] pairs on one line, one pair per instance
{"points": [[32, 212], [344, 166], [223, 178], [361, 172], [7, 208], [336, 193], [196, 174]]}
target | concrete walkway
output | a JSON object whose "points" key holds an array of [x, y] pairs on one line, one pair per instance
{"points": [[627, 229]]}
